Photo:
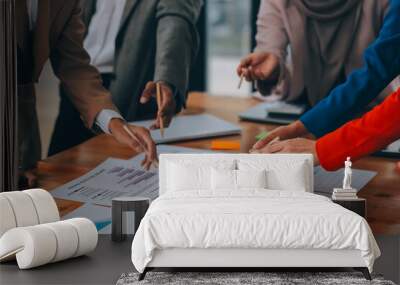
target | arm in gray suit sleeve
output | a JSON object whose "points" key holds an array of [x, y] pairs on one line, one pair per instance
{"points": [[177, 43]]}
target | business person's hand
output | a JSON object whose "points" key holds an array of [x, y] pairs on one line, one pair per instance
{"points": [[141, 142], [27, 179], [297, 145], [259, 66], [168, 104], [294, 130]]}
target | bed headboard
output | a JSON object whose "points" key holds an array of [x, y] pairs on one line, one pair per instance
{"points": [[275, 161]]}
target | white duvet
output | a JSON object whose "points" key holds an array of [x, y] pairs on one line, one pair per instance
{"points": [[251, 219]]}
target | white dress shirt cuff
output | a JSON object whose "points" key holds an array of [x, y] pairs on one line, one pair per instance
{"points": [[104, 117]]}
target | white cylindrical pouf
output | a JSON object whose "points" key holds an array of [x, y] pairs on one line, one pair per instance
{"points": [[45, 205], [40, 244], [7, 218], [34, 245], [23, 208], [87, 235], [67, 239]]}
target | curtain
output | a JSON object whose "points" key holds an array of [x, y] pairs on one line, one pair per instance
{"points": [[8, 98]]}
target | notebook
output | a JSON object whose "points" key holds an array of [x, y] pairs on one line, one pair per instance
{"points": [[190, 127], [274, 112], [392, 150]]}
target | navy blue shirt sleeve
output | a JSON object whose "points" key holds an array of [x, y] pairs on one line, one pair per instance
{"points": [[381, 66]]}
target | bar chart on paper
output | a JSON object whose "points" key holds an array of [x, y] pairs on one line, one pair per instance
{"points": [[110, 179], [116, 178]]}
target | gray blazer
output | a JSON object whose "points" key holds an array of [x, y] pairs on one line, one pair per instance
{"points": [[157, 40]]}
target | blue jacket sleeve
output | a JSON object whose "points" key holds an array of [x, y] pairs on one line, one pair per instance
{"points": [[381, 66]]}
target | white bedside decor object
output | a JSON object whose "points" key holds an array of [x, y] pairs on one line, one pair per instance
{"points": [[31, 231], [347, 174], [346, 192]]}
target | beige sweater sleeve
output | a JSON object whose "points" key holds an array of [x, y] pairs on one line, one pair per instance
{"points": [[272, 37]]}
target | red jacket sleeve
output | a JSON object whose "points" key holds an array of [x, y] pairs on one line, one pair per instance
{"points": [[360, 137]]}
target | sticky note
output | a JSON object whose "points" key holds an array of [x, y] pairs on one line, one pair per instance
{"points": [[225, 145], [262, 135]]}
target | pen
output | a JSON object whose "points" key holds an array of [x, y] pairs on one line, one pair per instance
{"points": [[241, 80], [159, 98]]}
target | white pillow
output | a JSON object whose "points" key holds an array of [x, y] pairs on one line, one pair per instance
{"points": [[251, 178], [223, 179], [289, 175], [183, 178], [186, 176]]}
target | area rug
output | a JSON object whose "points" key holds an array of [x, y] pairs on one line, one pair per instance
{"points": [[244, 278]]}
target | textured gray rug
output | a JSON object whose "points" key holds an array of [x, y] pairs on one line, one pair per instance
{"points": [[243, 278]]}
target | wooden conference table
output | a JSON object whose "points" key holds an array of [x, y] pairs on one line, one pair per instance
{"points": [[382, 193]]}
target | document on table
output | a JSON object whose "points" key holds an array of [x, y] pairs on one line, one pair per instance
{"points": [[99, 215], [325, 181], [116, 178]]}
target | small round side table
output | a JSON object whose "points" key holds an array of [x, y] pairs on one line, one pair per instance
{"points": [[121, 208]]}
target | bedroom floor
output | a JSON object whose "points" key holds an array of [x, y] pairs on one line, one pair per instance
{"points": [[103, 266], [106, 264]]}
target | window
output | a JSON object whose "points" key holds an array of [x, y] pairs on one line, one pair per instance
{"points": [[228, 39]]}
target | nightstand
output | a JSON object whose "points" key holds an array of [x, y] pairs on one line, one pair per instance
{"points": [[123, 209], [358, 206]]}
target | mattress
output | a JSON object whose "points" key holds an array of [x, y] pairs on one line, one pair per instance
{"points": [[253, 219]]}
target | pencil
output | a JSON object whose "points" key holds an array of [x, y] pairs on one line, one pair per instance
{"points": [[133, 136], [274, 140], [159, 100], [241, 80]]}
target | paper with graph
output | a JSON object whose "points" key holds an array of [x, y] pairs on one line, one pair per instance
{"points": [[115, 178]]}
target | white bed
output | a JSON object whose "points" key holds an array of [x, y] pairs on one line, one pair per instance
{"points": [[197, 222]]}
